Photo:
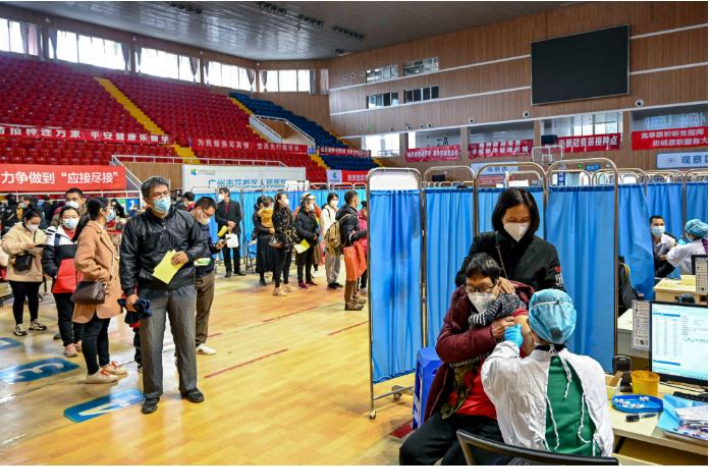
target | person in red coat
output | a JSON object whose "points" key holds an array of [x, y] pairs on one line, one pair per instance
{"points": [[479, 314]]}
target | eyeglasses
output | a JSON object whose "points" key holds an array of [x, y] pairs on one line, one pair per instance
{"points": [[481, 289]]}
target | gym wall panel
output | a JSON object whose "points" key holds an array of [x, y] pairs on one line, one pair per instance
{"points": [[143, 170]]}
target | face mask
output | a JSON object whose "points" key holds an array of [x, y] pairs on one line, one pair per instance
{"points": [[32, 227], [284, 202], [334, 203], [516, 230], [72, 204], [111, 215], [40, 202], [481, 300], [70, 223], [203, 219], [658, 230], [162, 205]]}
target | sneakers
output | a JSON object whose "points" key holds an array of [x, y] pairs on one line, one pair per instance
{"points": [[115, 369], [57, 337], [302, 285], [354, 306], [311, 283], [262, 282], [287, 288], [20, 330], [279, 292], [204, 350], [101, 377], [37, 326], [70, 351]]}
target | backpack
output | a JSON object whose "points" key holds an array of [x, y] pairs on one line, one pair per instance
{"points": [[333, 238]]}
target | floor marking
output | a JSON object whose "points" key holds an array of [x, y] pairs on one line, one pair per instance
{"points": [[103, 405], [346, 328], [269, 320], [246, 363]]}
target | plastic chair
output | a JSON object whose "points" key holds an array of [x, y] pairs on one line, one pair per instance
{"points": [[427, 364]]}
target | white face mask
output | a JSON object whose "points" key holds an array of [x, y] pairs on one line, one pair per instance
{"points": [[334, 203], [32, 227], [516, 230], [72, 204], [70, 223], [481, 300], [202, 218]]}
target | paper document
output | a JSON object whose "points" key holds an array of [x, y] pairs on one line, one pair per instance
{"points": [[223, 231], [165, 270], [701, 274], [640, 331], [301, 247]]}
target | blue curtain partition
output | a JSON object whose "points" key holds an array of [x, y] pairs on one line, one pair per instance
{"points": [[248, 200], [395, 282], [582, 230], [449, 226], [487, 199], [666, 199], [696, 197], [635, 239]]}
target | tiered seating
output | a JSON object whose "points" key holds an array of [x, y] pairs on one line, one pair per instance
{"points": [[46, 94], [45, 151], [349, 163], [269, 109], [314, 172], [187, 111]]}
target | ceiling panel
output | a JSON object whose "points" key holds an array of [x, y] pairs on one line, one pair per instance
{"points": [[246, 29]]}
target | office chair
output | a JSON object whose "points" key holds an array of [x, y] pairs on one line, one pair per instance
{"points": [[469, 441]]}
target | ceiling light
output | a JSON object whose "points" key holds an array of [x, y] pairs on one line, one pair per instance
{"points": [[313, 22], [348, 33], [271, 8], [185, 7]]}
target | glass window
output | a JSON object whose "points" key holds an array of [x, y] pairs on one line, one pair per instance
{"points": [[67, 47], [100, 52], [15, 38], [386, 145], [288, 81], [387, 100], [304, 80], [379, 100], [408, 95], [160, 63], [435, 92], [11, 37], [185, 69], [426, 94], [395, 98], [416, 95], [324, 81], [393, 71], [4, 35], [272, 81], [416, 67]]}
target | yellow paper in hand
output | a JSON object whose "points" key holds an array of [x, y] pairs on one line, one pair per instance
{"points": [[301, 247], [165, 270], [223, 231]]}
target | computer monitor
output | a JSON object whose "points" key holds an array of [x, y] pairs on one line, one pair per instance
{"points": [[679, 342]]}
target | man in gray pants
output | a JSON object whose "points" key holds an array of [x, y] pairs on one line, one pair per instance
{"points": [[147, 238]]}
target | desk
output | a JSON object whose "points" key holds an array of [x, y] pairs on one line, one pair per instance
{"points": [[645, 430], [668, 290]]}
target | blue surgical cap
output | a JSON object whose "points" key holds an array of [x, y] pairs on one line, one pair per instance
{"points": [[552, 315], [697, 227]]}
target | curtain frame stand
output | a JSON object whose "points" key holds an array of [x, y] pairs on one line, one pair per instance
{"points": [[396, 391], [559, 167], [688, 176]]}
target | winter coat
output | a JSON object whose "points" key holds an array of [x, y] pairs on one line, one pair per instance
{"points": [[307, 226], [349, 226], [284, 227], [15, 243], [59, 256], [226, 212], [97, 260]]}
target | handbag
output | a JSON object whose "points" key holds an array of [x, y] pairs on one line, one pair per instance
{"points": [[23, 262], [274, 242], [91, 292]]}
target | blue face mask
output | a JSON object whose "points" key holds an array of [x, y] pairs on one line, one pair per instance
{"points": [[111, 215], [658, 230], [162, 205]]}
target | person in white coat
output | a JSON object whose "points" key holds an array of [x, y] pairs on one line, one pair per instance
{"points": [[332, 262], [553, 400], [697, 233]]}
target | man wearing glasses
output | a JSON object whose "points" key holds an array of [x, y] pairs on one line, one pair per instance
{"points": [[147, 238]]}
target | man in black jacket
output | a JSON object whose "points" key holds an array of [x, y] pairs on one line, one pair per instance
{"points": [[350, 233], [229, 213], [203, 211], [147, 238]]}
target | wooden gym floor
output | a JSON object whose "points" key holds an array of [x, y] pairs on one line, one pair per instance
{"points": [[289, 385]]}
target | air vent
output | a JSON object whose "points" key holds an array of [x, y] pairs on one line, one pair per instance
{"points": [[185, 7]]}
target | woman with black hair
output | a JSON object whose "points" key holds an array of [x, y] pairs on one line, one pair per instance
{"points": [[523, 256], [97, 260], [23, 243], [58, 263], [332, 261], [308, 230], [263, 230], [283, 240]]}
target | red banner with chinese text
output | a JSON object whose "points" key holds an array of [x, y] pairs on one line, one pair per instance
{"points": [[353, 176], [521, 147], [43, 178], [608, 142], [670, 138], [33, 132], [260, 146], [438, 153]]}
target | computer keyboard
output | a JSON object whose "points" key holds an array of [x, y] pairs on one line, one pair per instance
{"points": [[699, 397]]}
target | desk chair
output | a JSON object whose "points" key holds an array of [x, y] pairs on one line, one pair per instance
{"points": [[469, 441]]}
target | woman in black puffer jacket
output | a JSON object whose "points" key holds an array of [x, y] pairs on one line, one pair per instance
{"points": [[284, 239], [307, 229]]}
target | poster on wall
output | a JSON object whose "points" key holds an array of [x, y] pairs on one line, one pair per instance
{"points": [[208, 178], [519, 147], [331, 151], [439, 153], [608, 142], [670, 138], [334, 176], [347, 176], [682, 160], [51, 179]]}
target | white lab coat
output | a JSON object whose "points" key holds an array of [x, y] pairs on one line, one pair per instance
{"points": [[664, 245], [518, 389], [683, 255]]}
